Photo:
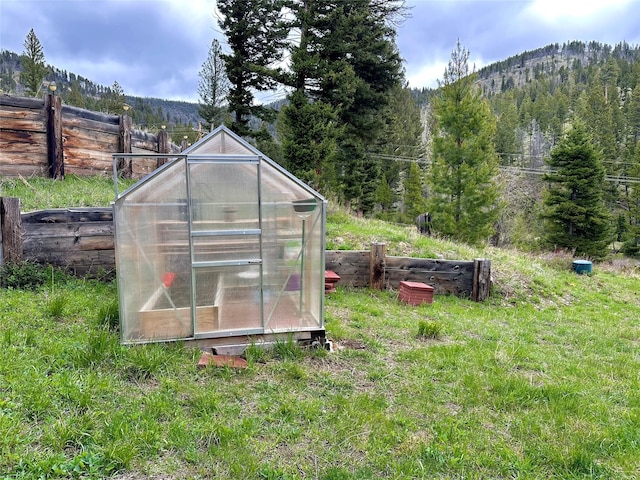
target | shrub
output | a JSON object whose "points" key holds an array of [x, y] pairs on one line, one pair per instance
{"points": [[23, 275]]}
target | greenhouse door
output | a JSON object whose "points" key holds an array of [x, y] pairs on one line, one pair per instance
{"points": [[225, 242]]}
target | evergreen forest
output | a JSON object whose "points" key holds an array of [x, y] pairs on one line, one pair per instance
{"points": [[354, 129]]}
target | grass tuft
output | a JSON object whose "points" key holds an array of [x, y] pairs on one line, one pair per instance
{"points": [[287, 349], [429, 329], [56, 305], [109, 316]]}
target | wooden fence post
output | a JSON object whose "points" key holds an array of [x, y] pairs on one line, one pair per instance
{"points": [[163, 145], [10, 230], [125, 146], [377, 265], [481, 279], [55, 155]]}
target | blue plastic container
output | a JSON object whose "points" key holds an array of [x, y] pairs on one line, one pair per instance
{"points": [[582, 266]]}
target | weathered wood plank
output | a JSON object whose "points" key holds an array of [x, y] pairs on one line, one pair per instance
{"points": [[23, 170], [87, 142], [43, 244], [22, 141], [481, 279], [89, 160], [352, 257], [79, 114], [88, 263], [447, 277], [66, 258], [11, 241], [69, 215], [70, 230], [88, 172], [34, 156], [351, 266], [24, 124], [53, 106], [13, 113], [21, 102], [142, 166], [377, 266], [145, 146], [104, 272], [89, 124], [92, 139], [430, 264], [443, 283]]}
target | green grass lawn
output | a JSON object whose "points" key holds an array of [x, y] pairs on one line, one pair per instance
{"points": [[541, 381]]}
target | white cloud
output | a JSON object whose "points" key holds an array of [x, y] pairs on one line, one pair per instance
{"points": [[195, 19], [426, 75], [556, 12]]}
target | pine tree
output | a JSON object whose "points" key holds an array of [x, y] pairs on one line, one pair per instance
{"points": [[631, 245], [256, 35], [384, 195], [74, 96], [599, 120], [212, 87], [506, 141], [632, 110], [462, 179], [414, 201], [362, 61], [346, 62], [574, 209], [114, 100], [308, 134], [400, 137], [33, 67]]}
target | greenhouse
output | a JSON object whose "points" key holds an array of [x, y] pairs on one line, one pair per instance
{"points": [[220, 246]]}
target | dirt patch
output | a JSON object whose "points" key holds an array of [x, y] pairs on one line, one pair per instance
{"points": [[350, 344]]}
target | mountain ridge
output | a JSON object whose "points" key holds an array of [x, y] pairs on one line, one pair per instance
{"points": [[513, 72]]}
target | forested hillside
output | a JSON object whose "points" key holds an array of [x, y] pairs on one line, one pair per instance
{"points": [[81, 92], [534, 97], [534, 94]]}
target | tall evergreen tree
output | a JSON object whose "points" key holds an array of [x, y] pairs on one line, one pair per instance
{"points": [[256, 34], [400, 137], [212, 87], [308, 134], [114, 100], [362, 56], [307, 126], [345, 65], [632, 110], [598, 117], [34, 69], [506, 141], [574, 209], [463, 188], [631, 245], [414, 201], [385, 196]]}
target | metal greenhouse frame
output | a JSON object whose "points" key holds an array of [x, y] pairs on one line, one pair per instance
{"points": [[220, 246]]}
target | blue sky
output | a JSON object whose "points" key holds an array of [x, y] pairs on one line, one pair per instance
{"points": [[155, 48]]}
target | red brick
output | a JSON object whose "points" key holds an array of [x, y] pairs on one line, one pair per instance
{"points": [[232, 361]]}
